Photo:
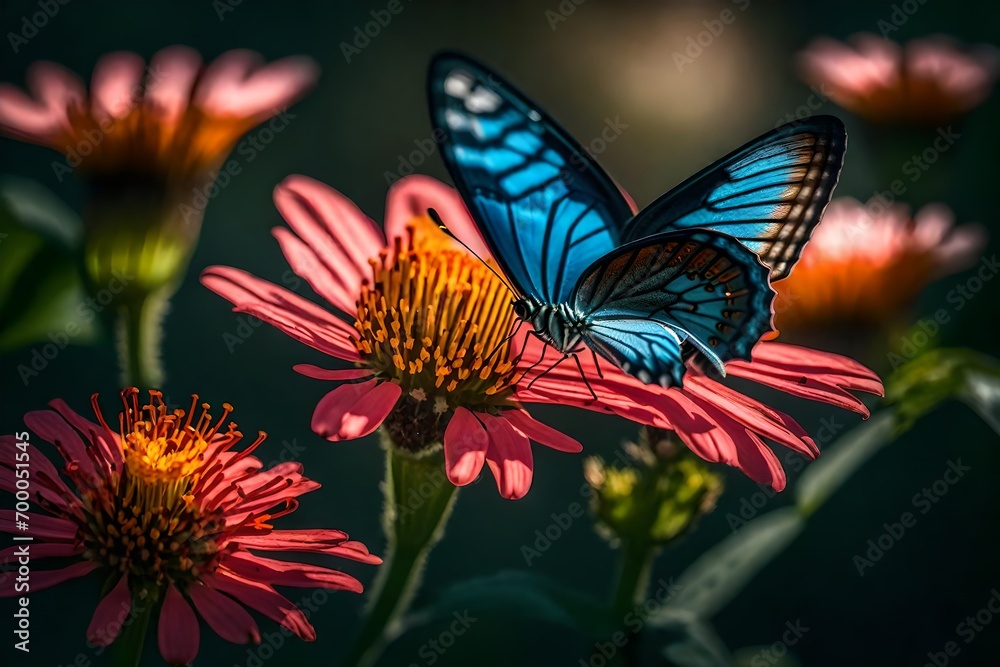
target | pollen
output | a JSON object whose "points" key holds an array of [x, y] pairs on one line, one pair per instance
{"points": [[435, 319], [151, 521]]}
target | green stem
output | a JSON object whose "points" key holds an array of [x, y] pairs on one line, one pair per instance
{"points": [[127, 649], [139, 332], [418, 502], [633, 577]]}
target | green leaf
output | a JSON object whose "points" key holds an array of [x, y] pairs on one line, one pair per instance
{"points": [[753, 656], [922, 384], [982, 393], [504, 619], [42, 296], [699, 644], [518, 594], [838, 462], [725, 569], [37, 209]]}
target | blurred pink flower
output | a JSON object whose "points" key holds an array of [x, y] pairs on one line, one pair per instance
{"points": [[867, 263], [929, 80], [171, 516], [426, 315], [174, 118]]}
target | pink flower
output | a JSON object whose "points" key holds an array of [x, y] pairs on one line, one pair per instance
{"points": [[174, 117], [930, 80], [150, 141], [867, 263], [173, 516], [419, 317]]}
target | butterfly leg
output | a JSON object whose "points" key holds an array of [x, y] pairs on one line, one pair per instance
{"points": [[579, 367], [547, 370], [533, 366], [597, 365], [517, 328]]}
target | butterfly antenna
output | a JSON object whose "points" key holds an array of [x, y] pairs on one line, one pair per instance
{"points": [[437, 221]]}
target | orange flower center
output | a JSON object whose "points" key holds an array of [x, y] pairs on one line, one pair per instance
{"points": [[435, 320], [148, 522]]}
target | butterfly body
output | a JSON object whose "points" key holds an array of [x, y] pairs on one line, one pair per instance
{"points": [[684, 282]]}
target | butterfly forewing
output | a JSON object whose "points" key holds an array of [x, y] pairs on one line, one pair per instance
{"points": [[770, 194], [546, 209]]}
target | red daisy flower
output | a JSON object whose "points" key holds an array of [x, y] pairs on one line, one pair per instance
{"points": [[426, 325], [173, 516]]}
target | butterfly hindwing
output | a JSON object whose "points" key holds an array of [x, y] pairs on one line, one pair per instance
{"points": [[769, 194], [697, 288], [546, 209]]}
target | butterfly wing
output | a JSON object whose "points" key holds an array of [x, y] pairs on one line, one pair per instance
{"points": [[769, 194], [647, 300], [545, 207]]}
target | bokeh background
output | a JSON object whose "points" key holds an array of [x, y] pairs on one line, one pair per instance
{"points": [[606, 60]]}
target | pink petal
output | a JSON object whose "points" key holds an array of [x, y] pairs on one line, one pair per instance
{"points": [[751, 455], [465, 444], [42, 117], [111, 612], [43, 550], [411, 196], [287, 573], [342, 237], [329, 284], [47, 482], [41, 527], [354, 410], [541, 433], [40, 580], [117, 85], [105, 441], [317, 373], [224, 615], [329, 542], [177, 633], [508, 456], [54, 429], [297, 317], [753, 415], [235, 84], [262, 598], [354, 550], [172, 73]]}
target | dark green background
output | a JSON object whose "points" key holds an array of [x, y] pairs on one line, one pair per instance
{"points": [[607, 60]]}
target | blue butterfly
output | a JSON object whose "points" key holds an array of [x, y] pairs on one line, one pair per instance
{"points": [[685, 282]]}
